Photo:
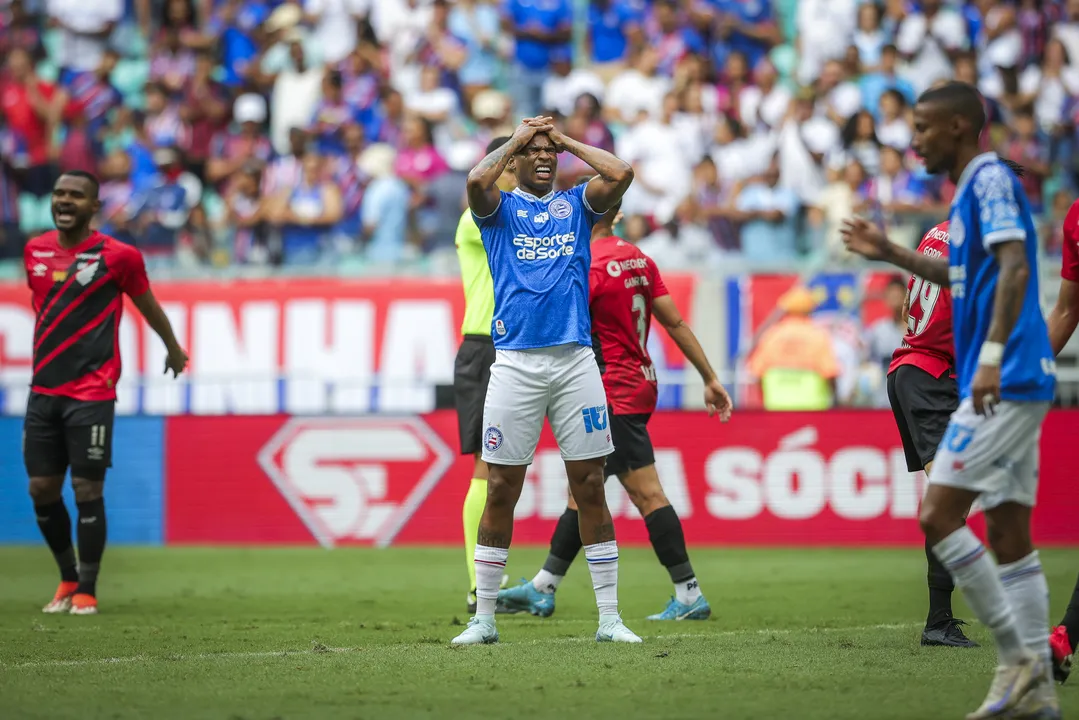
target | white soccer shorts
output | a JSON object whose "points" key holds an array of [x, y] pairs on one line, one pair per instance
{"points": [[995, 455], [560, 383]]}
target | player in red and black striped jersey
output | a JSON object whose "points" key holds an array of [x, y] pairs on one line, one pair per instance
{"points": [[78, 278], [625, 290], [1062, 322], [923, 394]]}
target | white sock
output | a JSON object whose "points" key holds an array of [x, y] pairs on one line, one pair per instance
{"points": [[975, 574], [546, 581], [490, 563], [1028, 592], [687, 591], [603, 564]]}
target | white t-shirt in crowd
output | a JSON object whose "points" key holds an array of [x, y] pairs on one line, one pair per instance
{"points": [[631, 91], [763, 111], [744, 158], [335, 29], [694, 247], [561, 93], [895, 133], [664, 174], [295, 97], [929, 43], [797, 168], [79, 49], [825, 30]]}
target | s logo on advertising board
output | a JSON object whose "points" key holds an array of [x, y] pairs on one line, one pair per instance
{"points": [[355, 479]]}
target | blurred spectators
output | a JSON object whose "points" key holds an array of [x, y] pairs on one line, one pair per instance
{"points": [[754, 126]]}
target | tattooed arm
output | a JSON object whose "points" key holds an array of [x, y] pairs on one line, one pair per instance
{"points": [[483, 193], [614, 175]]}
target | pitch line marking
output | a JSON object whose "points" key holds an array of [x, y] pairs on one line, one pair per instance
{"points": [[187, 657]]}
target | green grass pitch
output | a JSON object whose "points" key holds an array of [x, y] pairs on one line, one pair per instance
{"points": [[261, 634]]}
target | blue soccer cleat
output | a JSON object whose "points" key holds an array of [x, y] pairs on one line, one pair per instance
{"points": [[699, 610], [526, 598]]}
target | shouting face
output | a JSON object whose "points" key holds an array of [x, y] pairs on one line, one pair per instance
{"points": [[74, 202], [536, 165]]}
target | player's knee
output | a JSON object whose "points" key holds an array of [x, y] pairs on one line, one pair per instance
{"points": [[502, 491], [588, 489], [88, 483], [45, 490], [645, 493]]}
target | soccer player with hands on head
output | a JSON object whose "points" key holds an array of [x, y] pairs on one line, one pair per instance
{"points": [[1006, 381], [537, 244], [626, 291]]}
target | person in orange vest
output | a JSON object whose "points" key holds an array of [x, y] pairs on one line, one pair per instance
{"points": [[794, 359]]}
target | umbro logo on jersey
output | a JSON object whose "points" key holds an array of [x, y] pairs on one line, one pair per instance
{"points": [[541, 218], [522, 213], [40, 269]]}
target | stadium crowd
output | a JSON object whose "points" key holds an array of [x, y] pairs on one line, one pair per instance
{"points": [[339, 131]]}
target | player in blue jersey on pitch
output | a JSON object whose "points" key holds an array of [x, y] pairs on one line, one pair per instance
{"points": [[537, 242], [1006, 377]]}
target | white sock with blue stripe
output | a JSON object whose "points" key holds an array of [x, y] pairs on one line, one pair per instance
{"points": [[490, 564], [975, 574], [1028, 592], [603, 564]]}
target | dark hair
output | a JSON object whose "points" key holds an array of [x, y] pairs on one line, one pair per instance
{"points": [[94, 182], [850, 130], [496, 143], [613, 212], [899, 97], [960, 99], [897, 281], [1017, 169]]}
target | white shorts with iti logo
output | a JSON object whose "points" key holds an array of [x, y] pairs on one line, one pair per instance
{"points": [[995, 455], [560, 383]]}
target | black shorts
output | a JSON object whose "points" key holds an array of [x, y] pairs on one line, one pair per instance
{"points": [[632, 444], [922, 405], [471, 375], [60, 432]]}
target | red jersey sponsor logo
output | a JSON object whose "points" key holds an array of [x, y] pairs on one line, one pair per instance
{"points": [[77, 301], [623, 284], [928, 343]]}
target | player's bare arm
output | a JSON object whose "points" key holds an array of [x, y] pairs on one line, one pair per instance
{"points": [[614, 176], [1064, 317], [176, 359], [482, 188], [1007, 304], [715, 395], [864, 238]]}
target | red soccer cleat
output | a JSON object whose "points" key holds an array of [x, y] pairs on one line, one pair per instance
{"points": [[1062, 653], [83, 604], [61, 601]]}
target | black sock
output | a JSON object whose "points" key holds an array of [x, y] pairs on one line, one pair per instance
{"points": [[55, 526], [91, 533], [1071, 617], [941, 587], [665, 534], [565, 544]]}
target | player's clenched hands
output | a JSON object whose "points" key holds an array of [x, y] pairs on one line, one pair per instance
{"points": [[985, 389], [529, 127], [862, 237], [717, 400], [176, 361]]}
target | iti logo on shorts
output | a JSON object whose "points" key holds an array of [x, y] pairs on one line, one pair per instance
{"points": [[595, 418], [492, 438], [500, 327], [560, 209], [355, 480]]}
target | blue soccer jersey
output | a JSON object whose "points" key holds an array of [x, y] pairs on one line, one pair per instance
{"points": [[989, 208], [538, 250]]}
